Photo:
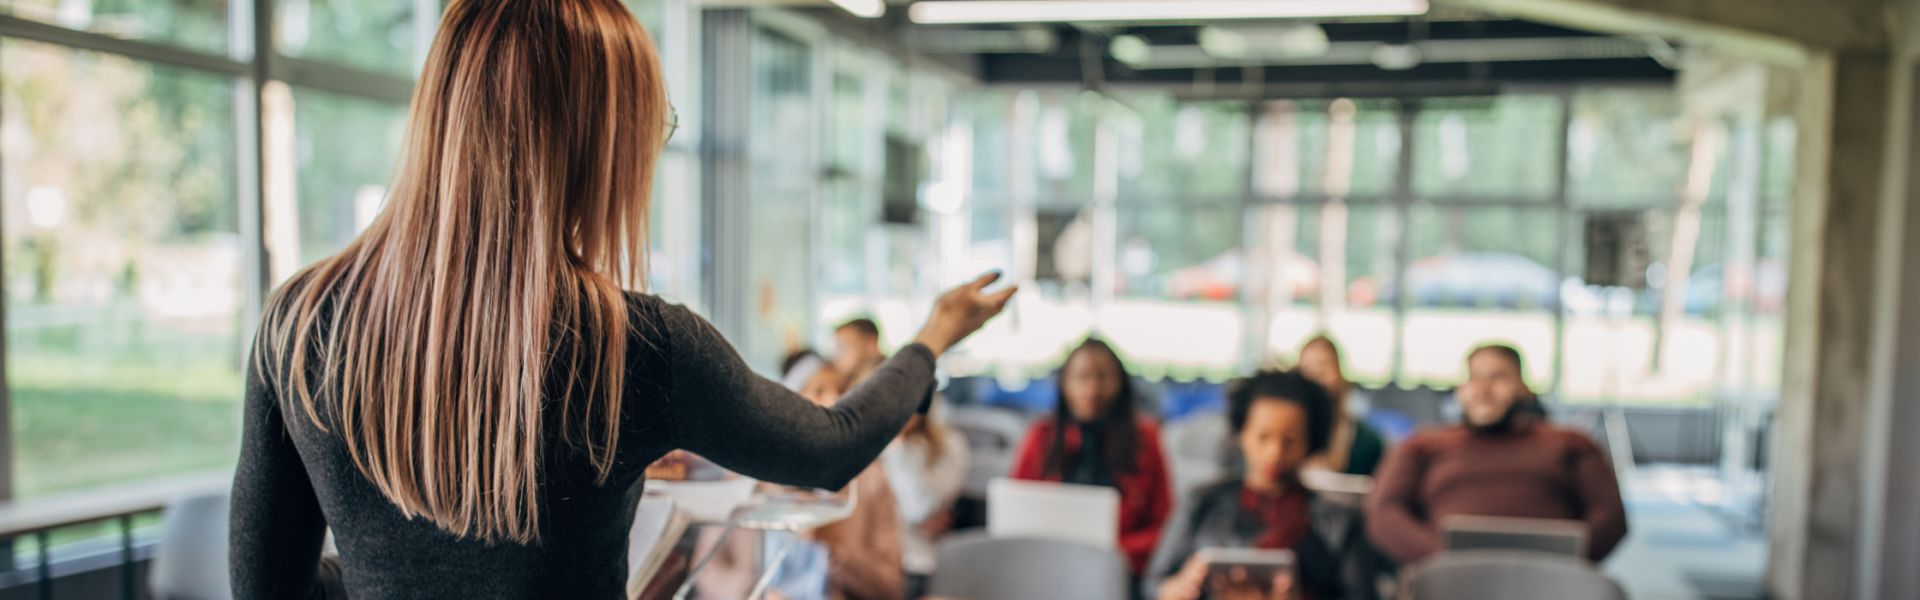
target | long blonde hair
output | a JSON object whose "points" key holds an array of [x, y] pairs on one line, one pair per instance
{"points": [[518, 217]]}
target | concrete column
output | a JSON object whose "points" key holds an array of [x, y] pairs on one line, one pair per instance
{"points": [[1816, 527]]}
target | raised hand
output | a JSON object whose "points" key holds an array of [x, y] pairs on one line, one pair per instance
{"points": [[962, 311]]}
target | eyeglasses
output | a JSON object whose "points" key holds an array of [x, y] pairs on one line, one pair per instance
{"points": [[673, 122]]}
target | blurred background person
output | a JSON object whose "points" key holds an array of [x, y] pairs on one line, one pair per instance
{"points": [[927, 466], [857, 348], [1279, 420], [1097, 437], [1503, 460], [858, 558], [1355, 448]]}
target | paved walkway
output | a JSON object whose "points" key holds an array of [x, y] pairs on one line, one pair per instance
{"points": [[1680, 550]]}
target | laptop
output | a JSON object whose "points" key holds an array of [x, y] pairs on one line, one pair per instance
{"points": [[1551, 536], [1081, 514], [1339, 488]]}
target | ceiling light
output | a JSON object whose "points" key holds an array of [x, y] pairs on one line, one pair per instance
{"points": [[1130, 50], [1397, 57], [1061, 11], [867, 9]]}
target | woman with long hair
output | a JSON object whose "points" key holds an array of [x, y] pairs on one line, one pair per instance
{"points": [[468, 394], [1097, 437]]}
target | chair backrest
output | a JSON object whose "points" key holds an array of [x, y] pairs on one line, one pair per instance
{"points": [[1200, 437], [1507, 575], [977, 567], [988, 428], [191, 560]]}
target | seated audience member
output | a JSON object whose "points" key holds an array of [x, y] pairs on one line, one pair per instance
{"points": [[1095, 437], [1355, 448], [855, 559], [928, 467], [1502, 461], [857, 349], [1279, 419]]}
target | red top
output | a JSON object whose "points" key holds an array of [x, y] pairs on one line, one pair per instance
{"points": [[1145, 495], [1286, 517], [1540, 472]]}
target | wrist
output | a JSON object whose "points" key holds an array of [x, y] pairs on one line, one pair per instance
{"points": [[934, 342]]}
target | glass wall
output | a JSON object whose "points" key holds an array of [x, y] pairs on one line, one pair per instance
{"points": [[1230, 232], [128, 175], [123, 279]]}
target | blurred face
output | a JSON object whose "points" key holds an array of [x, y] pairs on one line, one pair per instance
{"points": [[854, 350], [825, 387], [1274, 441], [1091, 383], [1493, 387], [1319, 363]]}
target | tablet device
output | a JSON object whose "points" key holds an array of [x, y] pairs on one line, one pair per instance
{"points": [[1247, 569]]}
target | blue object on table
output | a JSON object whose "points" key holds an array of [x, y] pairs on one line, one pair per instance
{"points": [[803, 572], [1183, 400], [1037, 395], [1393, 424]]}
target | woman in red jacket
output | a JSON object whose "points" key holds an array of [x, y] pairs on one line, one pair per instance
{"points": [[1095, 437]]}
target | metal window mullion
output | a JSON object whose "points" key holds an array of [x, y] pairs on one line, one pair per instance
{"points": [[332, 77], [1563, 209], [251, 182], [25, 29], [6, 388], [1409, 112]]}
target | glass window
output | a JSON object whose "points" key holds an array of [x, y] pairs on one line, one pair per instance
{"points": [[1487, 147], [1347, 148], [1624, 147], [379, 35], [345, 150], [1329, 278], [1183, 152], [778, 210], [1180, 253], [197, 25], [1479, 275], [123, 258]]}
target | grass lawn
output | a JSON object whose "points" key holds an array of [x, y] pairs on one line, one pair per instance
{"points": [[102, 400]]}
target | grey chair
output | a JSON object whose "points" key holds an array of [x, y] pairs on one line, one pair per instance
{"points": [[190, 562], [988, 428], [976, 567], [1507, 575], [1202, 437]]}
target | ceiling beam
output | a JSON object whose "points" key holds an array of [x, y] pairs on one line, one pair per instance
{"points": [[1781, 31]]}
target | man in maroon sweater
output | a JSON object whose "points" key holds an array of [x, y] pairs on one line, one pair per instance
{"points": [[1502, 461]]}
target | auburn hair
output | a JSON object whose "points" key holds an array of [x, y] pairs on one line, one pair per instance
{"points": [[495, 274]]}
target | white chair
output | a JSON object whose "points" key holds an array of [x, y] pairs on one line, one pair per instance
{"points": [[1507, 575], [190, 562]]}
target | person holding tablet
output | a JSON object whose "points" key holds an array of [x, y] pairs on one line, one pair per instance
{"points": [[1279, 420]]}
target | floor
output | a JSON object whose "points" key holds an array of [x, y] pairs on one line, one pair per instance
{"points": [[1679, 549]]}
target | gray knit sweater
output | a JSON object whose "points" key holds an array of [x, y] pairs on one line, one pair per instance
{"points": [[686, 388]]}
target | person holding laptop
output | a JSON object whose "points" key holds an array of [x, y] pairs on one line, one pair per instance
{"points": [[1096, 437], [1279, 419], [1501, 461]]}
